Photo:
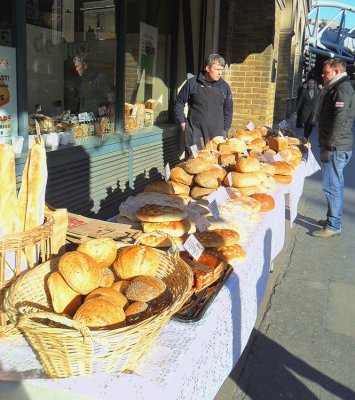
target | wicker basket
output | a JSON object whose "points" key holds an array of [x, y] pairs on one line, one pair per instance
{"points": [[66, 347], [15, 247]]}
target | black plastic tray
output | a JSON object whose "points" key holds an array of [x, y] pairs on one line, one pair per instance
{"points": [[202, 300]]}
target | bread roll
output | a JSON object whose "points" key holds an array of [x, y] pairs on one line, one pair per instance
{"points": [[217, 237], [31, 198], [259, 142], [107, 277], [285, 179], [137, 312], [157, 213], [167, 187], [103, 251], [249, 190], [198, 192], [136, 260], [120, 286], [211, 179], [219, 139], [227, 160], [286, 155], [173, 228], [211, 145], [269, 169], [116, 297], [294, 140], [267, 202], [100, 313], [277, 143], [240, 179], [156, 241], [178, 174], [228, 254], [145, 288], [197, 165], [253, 204], [64, 298], [246, 136], [236, 145], [247, 164], [8, 196], [283, 168], [224, 148], [80, 271], [206, 154]]}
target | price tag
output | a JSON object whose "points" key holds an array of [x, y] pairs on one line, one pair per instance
{"points": [[250, 126], [66, 113], [102, 110], [213, 207], [202, 143], [38, 129], [229, 178], [261, 157], [277, 157], [194, 150], [245, 152], [269, 158], [91, 116], [231, 193], [220, 195], [193, 247], [82, 116], [167, 172], [283, 124], [202, 224]]}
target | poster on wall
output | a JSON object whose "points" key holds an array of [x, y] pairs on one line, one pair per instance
{"points": [[8, 92], [148, 39]]}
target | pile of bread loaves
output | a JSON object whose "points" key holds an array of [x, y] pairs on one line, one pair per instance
{"points": [[106, 288]]}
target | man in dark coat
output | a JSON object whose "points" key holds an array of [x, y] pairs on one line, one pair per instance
{"points": [[300, 90], [210, 104], [335, 112]]}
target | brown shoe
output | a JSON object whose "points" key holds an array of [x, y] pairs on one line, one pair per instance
{"points": [[325, 233], [322, 222]]}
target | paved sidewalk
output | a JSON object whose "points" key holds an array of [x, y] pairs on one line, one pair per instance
{"points": [[303, 346]]}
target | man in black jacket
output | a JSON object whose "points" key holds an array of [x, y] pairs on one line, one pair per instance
{"points": [[210, 104], [335, 112]]}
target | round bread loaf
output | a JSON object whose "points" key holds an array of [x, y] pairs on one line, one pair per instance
{"points": [[137, 312], [145, 288], [259, 142], [107, 277], [80, 271], [247, 164], [156, 241], [102, 250], [211, 179], [167, 187], [285, 179], [283, 168], [100, 313], [178, 174], [206, 154], [113, 295], [198, 192], [267, 202], [217, 237], [173, 228], [120, 286], [240, 179], [197, 165], [157, 213], [136, 260], [246, 136], [228, 254], [64, 298]]}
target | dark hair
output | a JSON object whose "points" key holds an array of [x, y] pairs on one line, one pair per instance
{"points": [[336, 63], [214, 59], [80, 59]]}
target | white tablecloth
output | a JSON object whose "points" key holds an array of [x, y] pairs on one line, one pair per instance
{"points": [[187, 360]]}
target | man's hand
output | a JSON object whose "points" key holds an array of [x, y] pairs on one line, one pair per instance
{"points": [[325, 156], [183, 127]]}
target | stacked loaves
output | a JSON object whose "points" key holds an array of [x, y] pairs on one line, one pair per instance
{"points": [[106, 288]]}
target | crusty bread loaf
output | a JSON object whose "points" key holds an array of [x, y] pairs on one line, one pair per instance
{"points": [[219, 139], [120, 286], [102, 250], [167, 187], [211, 145], [31, 198], [286, 155], [227, 160], [100, 313], [64, 298], [252, 203], [198, 192], [285, 179], [173, 228], [267, 202], [283, 168], [145, 288], [244, 135], [112, 295], [277, 143], [136, 260], [228, 254], [107, 277], [157, 213], [269, 169], [240, 179], [217, 237], [249, 190], [160, 241], [178, 174], [197, 165], [259, 142], [236, 145], [137, 312], [211, 179], [224, 148], [8, 197], [294, 140], [247, 164]]}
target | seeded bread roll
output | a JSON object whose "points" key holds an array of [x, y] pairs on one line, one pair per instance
{"points": [[80, 271], [136, 260], [64, 298], [157, 213], [247, 164], [173, 228], [178, 174], [145, 288], [267, 202], [137, 312], [113, 295], [198, 192], [167, 187], [197, 165], [100, 313], [217, 237], [103, 251]]}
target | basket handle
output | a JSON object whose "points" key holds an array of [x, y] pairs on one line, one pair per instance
{"points": [[84, 330], [161, 235]]}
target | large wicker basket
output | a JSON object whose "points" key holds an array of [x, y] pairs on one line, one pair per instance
{"points": [[20, 251], [67, 348]]}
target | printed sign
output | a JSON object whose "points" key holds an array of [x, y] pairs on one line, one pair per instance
{"points": [[167, 172], [83, 117], [202, 143], [194, 247], [250, 126], [220, 195], [231, 193], [194, 150], [202, 224], [213, 207], [229, 178]]}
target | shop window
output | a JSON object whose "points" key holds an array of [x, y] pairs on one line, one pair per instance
{"points": [[147, 69], [71, 62], [6, 24]]}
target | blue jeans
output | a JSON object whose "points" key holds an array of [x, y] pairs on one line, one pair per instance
{"points": [[333, 187]]}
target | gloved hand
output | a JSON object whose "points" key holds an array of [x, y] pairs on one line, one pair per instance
{"points": [[325, 156]]}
